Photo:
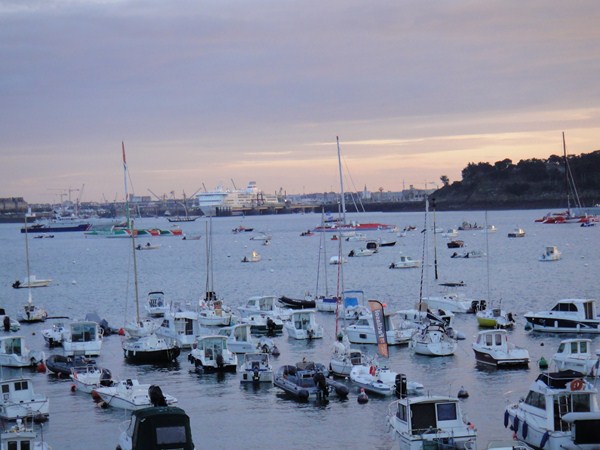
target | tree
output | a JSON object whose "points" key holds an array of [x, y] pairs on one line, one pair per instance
{"points": [[445, 180]]}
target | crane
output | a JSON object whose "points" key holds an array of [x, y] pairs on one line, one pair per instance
{"points": [[233, 182]]}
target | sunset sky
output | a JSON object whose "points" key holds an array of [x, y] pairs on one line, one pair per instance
{"points": [[205, 92]]}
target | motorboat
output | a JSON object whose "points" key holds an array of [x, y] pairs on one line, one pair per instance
{"points": [[20, 400], [256, 368], [297, 303], [264, 324], [552, 253], [268, 346], [493, 348], [405, 262], [344, 357], [467, 226], [495, 318], [156, 304], [213, 312], [253, 257], [559, 412], [433, 340], [575, 354], [470, 254], [83, 338], [363, 330], [566, 316], [15, 353], [239, 338], [353, 305], [380, 380], [157, 427], [32, 313], [54, 336], [129, 394], [373, 245], [180, 325], [430, 421], [450, 233], [517, 233], [8, 324], [148, 246], [31, 281], [149, 348], [454, 301], [456, 243], [89, 377], [326, 303], [267, 304], [21, 437], [261, 236], [211, 354], [307, 381], [335, 260], [62, 365], [303, 325], [361, 252]]}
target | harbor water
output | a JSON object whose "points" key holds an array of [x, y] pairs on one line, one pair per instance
{"points": [[96, 275]]}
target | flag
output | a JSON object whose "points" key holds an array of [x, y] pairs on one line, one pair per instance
{"points": [[379, 324]]}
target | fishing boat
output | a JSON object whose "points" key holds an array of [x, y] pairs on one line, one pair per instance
{"points": [[211, 354], [130, 394], [551, 254], [566, 316], [83, 338], [308, 381], [15, 353], [303, 325], [155, 428], [560, 411], [493, 348], [430, 421], [256, 368], [19, 400], [380, 380], [575, 354], [21, 437]]}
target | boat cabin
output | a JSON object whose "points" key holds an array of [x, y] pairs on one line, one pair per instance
{"points": [[157, 428], [156, 305], [85, 338]]}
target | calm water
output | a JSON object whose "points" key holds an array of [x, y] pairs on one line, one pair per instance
{"points": [[95, 274]]}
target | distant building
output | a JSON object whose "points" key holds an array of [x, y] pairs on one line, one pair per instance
{"points": [[13, 205]]}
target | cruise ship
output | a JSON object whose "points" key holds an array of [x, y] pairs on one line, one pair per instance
{"points": [[233, 199]]}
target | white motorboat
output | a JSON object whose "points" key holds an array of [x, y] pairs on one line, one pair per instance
{"points": [[433, 340], [405, 262], [148, 246], [8, 324], [19, 400], [89, 377], [256, 369], [353, 305], [261, 236], [363, 330], [303, 325], [129, 394], [180, 325], [344, 357], [492, 348], [326, 303], [32, 313], [54, 336], [268, 346], [380, 380], [31, 281], [361, 252], [21, 437], [211, 354], [566, 316], [264, 304], [559, 412], [83, 338], [335, 260], [213, 313], [156, 304], [430, 422], [453, 301], [253, 257], [155, 427], [239, 338], [517, 233], [575, 354], [552, 253], [15, 353], [450, 233], [495, 318], [264, 324]]}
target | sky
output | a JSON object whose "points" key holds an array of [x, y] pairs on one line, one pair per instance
{"points": [[216, 92]]}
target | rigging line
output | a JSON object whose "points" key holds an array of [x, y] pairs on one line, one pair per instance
{"points": [[487, 256], [423, 251], [352, 195]]}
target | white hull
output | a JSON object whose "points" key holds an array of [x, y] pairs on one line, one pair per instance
{"points": [[129, 395]]}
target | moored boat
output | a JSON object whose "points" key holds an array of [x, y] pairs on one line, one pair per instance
{"points": [[211, 354], [575, 354], [566, 316], [307, 381], [130, 395], [256, 368], [19, 400], [492, 348]]}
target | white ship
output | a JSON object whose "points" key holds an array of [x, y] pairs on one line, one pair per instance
{"points": [[250, 197]]}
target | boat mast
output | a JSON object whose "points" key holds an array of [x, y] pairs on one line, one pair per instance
{"points": [[435, 264], [341, 181], [567, 188], [27, 261], [132, 234]]}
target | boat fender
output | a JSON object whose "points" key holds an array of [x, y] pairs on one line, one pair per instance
{"points": [[577, 385], [525, 429], [121, 332], [372, 370], [73, 388], [545, 438], [462, 393], [303, 394], [362, 397], [516, 425], [506, 417], [41, 367], [542, 363]]}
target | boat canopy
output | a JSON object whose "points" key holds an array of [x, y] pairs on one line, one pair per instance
{"points": [[158, 428]]}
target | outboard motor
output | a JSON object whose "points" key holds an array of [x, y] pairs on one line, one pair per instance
{"points": [[321, 383], [220, 361], [6, 323], [401, 386], [255, 371], [270, 327], [106, 378], [156, 396]]}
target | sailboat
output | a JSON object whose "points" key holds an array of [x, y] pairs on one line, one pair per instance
{"points": [[31, 313], [494, 317], [342, 225], [141, 344]]}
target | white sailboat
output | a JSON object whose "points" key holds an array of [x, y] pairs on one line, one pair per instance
{"points": [[141, 344]]}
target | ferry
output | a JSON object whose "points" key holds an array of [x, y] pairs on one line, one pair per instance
{"points": [[220, 197]]}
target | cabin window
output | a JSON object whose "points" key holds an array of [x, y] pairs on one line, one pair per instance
{"points": [[189, 327], [574, 347], [21, 385], [423, 417], [581, 402], [488, 339], [561, 347], [5, 389], [498, 339], [536, 400], [583, 347], [446, 411], [170, 435], [401, 412]]}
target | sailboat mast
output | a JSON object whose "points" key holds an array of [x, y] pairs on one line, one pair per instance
{"points": [[27, 260], [132, 234], [341, 180], [435, 263], [567, 188]]}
